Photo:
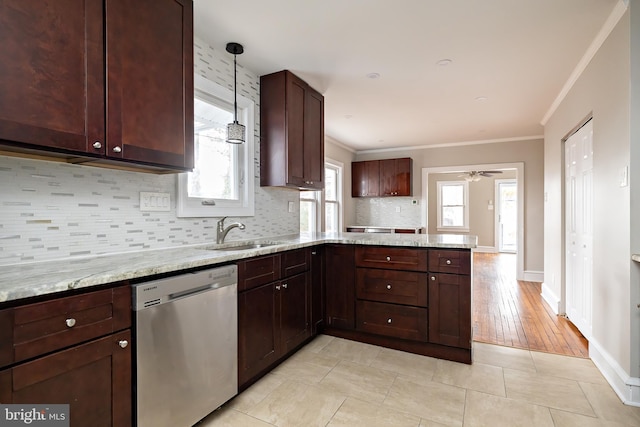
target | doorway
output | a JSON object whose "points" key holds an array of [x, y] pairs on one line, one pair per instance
{"points": [[506, 216]]}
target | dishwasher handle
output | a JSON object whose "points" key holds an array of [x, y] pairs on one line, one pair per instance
{"points": [[189, 292]]}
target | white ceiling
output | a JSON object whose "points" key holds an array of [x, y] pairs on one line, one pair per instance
{"points": [[517, 54]]}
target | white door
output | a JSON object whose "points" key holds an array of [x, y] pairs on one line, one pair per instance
{"points": [[507, 215], [579, 228]]}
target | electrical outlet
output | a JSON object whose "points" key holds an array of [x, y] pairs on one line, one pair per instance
{"points": [[155, 202], [291, 207], [398, 209]]}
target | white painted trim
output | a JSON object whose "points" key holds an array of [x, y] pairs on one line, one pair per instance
{"points": [[533, 276], [626, 387], [518, 166], [339, 144], [486, 249], [550, 298], [452, 144], [611, 22]]}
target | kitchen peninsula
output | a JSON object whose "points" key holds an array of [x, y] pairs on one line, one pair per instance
{"points": [[73, 317]]}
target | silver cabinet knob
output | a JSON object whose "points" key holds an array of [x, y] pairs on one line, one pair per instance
{"points": [[433, 278], [389, 320], [117, 149], [448, 262], [389, 286], [284, 286], [123, 343], [97, 145], [388, 258], [277, 287], [71, 322]]}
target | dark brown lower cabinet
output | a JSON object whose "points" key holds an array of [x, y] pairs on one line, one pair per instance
{"points": [[317, 289], [93, 378], [450, 309], [340, 277], [274, 319]]}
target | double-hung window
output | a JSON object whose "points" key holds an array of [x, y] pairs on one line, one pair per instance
{"points": [[222, 181], [453, 206], [313, 204]]}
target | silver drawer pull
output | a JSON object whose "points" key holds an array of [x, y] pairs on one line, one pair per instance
{"points": [[389, 286], [97, 145], [448, 262], [389, 320], [123, 343], [284, 286], [117, 149], [388, 258], [433, 278], [70, 322], [277, 287]]}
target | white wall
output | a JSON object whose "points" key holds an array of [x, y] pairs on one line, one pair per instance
{"points": [[603, 91], [54, 210]]}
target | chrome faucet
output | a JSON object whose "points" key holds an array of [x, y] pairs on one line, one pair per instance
{"points": [[221, 231]]}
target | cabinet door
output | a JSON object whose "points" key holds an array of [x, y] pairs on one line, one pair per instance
{"points": [[295, 103], [450, 310], [395, 177], [149, 53], [317, 289], [257, 340], [295, 313], [365, 179], [313, 139], [52, 74], [340, 286], [94, 378], [403, 177]]}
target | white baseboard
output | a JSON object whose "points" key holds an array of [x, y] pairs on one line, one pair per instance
{"points": [[550, 298], [626, 387], [487, 249], [533, 276]]}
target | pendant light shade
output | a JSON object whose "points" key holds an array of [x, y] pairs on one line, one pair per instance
{"points": [[235, 131]]}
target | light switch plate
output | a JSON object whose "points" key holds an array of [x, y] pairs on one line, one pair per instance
{"points": [[155, 202]]}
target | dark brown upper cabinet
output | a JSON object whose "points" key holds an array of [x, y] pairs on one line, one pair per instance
{"points": [[382, 178], [291, 133], [365, 179], [98, 81]]}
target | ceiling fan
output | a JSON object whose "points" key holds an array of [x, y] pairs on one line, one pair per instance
{"points": [[473, 176]]}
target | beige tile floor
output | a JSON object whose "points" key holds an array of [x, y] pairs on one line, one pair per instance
{"points": [[336, 382]]}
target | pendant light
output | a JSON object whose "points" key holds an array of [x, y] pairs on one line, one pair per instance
{"points": [[235, 131]]}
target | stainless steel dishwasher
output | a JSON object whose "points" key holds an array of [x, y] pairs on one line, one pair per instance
{"points": [[186, 346]]}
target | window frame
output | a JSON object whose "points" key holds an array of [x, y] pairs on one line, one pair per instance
{"points": [[465, 206], [339, 168], [189, 207]]}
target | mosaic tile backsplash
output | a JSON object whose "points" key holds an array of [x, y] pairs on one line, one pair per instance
{"points": [[54, 210], [383, 212]]}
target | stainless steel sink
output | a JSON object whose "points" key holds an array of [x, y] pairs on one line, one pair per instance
{"points": [[239, 247]]}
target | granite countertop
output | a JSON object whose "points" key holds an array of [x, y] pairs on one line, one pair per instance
{"points": [[40, 278]]}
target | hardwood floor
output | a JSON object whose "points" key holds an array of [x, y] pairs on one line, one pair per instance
{"points": [[512, 313]]}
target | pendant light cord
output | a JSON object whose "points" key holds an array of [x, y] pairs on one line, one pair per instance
{"points": [[235, 90]]}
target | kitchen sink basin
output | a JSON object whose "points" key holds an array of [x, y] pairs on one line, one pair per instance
{"points": [[243, 247]]}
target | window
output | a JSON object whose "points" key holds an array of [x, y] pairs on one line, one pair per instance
{"points": [[453, 206], [222, 181], [309, 207], [311, 202], [333, 197]]}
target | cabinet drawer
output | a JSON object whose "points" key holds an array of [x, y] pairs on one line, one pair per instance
{"points": [[399, 287], [294, 262], [43, 327], [392, 320], [450, 261], [392, 258], [258, 271]]}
